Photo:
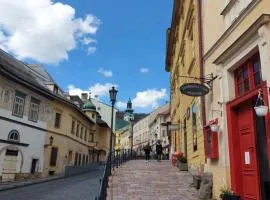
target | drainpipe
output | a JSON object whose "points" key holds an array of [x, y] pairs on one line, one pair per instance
{"points": [[201, 57]]}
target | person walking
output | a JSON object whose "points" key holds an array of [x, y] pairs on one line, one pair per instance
{"points": [[147, 149], [159, 150]]}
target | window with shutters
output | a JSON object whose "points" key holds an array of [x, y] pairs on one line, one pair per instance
{"points": [[53, 160]]}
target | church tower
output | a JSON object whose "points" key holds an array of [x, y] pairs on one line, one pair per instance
{"points": [[129, 115]]}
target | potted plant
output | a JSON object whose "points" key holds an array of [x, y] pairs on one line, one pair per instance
{"points": [[182, 163], [227, 194]]}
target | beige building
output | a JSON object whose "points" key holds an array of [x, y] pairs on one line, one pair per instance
{"points": [[236, 49]]}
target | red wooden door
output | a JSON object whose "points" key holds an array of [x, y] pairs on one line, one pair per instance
{"points": [[248, 156]]}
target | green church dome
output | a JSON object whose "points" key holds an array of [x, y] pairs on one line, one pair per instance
{"points": [[89, 106]]}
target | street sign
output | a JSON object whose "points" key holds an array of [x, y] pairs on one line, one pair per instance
{"points": [[194, 89]]}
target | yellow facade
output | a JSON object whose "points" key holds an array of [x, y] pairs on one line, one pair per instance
{"points": [[78, 139], [183, 60]]}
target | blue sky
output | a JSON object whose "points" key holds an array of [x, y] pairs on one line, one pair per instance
{"points": [[89, 45]]}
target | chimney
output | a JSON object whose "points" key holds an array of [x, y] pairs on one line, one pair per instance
{"points": [[84, 97]]}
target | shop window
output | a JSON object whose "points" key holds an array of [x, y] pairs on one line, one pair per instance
{"points": [[194, 127], [211, 143], [248, 76]]}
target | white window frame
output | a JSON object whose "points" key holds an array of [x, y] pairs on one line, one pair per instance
{"points": [[19, 102], [33, 112]]}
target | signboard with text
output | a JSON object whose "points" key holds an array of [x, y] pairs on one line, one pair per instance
{"points": [[194, 89]]}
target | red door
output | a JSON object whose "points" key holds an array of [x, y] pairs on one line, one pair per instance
{"points": [[249, 171]]}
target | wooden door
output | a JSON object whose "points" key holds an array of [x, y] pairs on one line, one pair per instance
{"points": [[249, 171]]}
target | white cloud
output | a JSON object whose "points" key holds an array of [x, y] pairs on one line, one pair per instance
{"points": [[43, 30], [149, 97], [106, 73], [91, 50], [121, 105], [144, 70], [88, 40], [98, 89]]}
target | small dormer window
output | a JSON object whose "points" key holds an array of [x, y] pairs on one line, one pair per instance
{"points": [[14, 136], [93, 116]]}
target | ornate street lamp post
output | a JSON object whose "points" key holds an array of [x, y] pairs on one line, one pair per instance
{"points": [[113, 93]]}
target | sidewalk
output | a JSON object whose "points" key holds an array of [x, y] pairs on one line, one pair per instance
{"points": [[17, 184], [137, 180]]}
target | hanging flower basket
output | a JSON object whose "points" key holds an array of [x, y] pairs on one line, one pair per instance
{"points": [[214, 127], [261, 110]]}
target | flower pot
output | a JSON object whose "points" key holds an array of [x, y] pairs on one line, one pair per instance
{"points": [[214, 127], [183, 166], [261, 111], [230, 197]]}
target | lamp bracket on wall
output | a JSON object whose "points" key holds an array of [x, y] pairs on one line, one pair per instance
{"points": [[207, 79]]}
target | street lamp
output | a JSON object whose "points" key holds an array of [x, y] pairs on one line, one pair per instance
{"points": [[131, 145], [113, 93]]}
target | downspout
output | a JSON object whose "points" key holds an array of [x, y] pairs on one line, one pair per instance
{"points": [[201, 48]]}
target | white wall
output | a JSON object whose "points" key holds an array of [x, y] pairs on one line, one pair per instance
{"points": [[105, 111], [34, 137]]}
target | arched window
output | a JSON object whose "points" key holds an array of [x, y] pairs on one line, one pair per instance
{"points": [[14, 136]]}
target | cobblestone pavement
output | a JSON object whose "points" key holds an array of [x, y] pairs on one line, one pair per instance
{"points": [[81, 187], [137, 180]]}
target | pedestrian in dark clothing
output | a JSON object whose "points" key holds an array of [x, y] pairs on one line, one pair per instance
{"points": [[147, 149], [159, 150]]}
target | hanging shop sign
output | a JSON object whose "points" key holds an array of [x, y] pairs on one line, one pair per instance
{"points": [[194, 89]]}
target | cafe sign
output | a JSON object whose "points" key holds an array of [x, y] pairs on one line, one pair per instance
{"points": [[194, 89]]}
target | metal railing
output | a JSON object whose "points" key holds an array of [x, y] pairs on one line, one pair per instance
{"points": [[118, 158]]}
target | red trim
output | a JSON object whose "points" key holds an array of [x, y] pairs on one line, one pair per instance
{"points": [[235, 165]]}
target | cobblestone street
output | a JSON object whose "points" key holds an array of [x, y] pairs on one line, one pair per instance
{"points": [[81, 187], [137, 180]]}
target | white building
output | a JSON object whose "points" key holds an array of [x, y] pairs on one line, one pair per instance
{"points": [[151, 128], [105, 111], [23, 116]]}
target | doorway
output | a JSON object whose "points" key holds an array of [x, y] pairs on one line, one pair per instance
{"points": [[34, 166], [248, 150]]}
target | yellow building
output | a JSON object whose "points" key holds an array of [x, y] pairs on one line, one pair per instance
{"points": [[183, 62], [71, 137]]}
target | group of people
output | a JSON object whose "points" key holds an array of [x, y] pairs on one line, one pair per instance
{"points": [[159, 151]]}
